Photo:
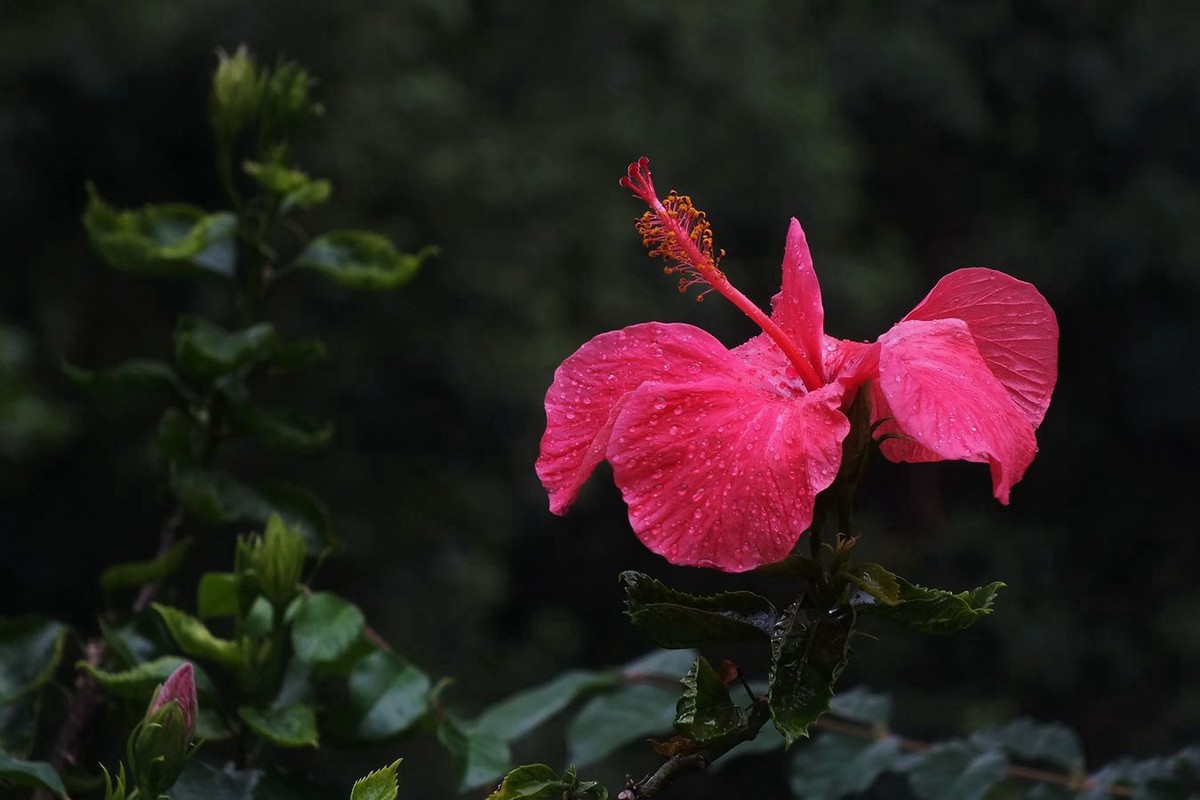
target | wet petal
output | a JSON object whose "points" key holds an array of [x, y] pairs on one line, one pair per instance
{"points": [[797, 308], [943, 395], [590, 385], [1012, 325], [723, 472]]}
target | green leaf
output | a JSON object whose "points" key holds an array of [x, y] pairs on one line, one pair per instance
{"points": [[206, 350], [30, 650], [379, 785], [195, 639], [290, 726], [956, 771], [1030, 740], [933, 610], [675, 620], [125, 380], [291, 357], [293, 187], [217, 595], [176, 439], [361, 260], [836, 766], [203, 781], [768, 740], [388, 695], [140, 573], [167, 240], [515, 716], [216, 497], [18, 724], [862, 706], [480, 758], [876, 581], [806, 658], [139, 683], [661, 663], [325, 627], [705, 713], [33, 774], [612, 720], [532, 782], [283, 428]]}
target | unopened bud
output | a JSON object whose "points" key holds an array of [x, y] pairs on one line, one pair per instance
{"points": [[237, 90], [161, 743]]}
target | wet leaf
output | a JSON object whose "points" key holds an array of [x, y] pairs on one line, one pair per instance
{"points": [[806, 658], [379, 785], [933, 610], [674, 619], [706, 714]]}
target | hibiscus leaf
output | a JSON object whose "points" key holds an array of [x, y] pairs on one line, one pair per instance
{"points": [[379, 785], [124, 380], [195, 639], [206, 350], [289, 726], [387, 695], [30, 650], [480, 758], [533, 782], [875, 581], [361, 260], [807, 655], [167, 240], [932, 610], [675, 620], [836, 766], [706, 713], [33, 774], [140, 573], [519, 714], [956, 771], [282, 428], [1034, 741]]}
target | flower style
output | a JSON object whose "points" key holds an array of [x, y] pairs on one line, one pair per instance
{"points": [[720, 454]]}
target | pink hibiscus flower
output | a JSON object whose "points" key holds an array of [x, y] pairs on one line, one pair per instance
{"points": [[720, 453]]}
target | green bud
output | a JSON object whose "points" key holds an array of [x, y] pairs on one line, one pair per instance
{"points": [[237, 92], [286, 103], [161, 743], [274, 561]]}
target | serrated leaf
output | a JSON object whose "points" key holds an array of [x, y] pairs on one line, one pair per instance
{"points": [[480, 758], [325, 626], [388, 695], [934, 610], [217, 595], [140, 573], [612, 720], [835, 766], [206, 350], [862, 706], [133, 377], [806, 658], [1030, 740], [33, 774], [675, 619], [216, 497], [875, 581], [515, 716], [289, 726], [956, 771], [768, 740], [166, 240], [705, 713], [532, 782], [361, 260], [195, 639], [379, 785], [139, 683], [30, 650]]}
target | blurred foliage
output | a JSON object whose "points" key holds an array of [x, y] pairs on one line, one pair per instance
{"points": [[1051, 139]]}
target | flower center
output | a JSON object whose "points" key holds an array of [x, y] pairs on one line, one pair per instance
{"points": [[676, 231]]}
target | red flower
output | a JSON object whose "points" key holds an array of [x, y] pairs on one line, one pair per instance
{"points": [[178, 688], [721, 453]]}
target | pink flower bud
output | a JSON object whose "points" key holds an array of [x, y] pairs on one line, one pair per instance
{"points": [[181, 687]]}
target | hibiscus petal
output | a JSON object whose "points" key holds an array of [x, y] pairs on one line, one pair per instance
{"points": [[1012, 325], [797, 308], [723, 472], [590, 385], [943, 395]]}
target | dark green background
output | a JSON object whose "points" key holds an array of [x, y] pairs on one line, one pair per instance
{"points": [[1054, 140]]}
